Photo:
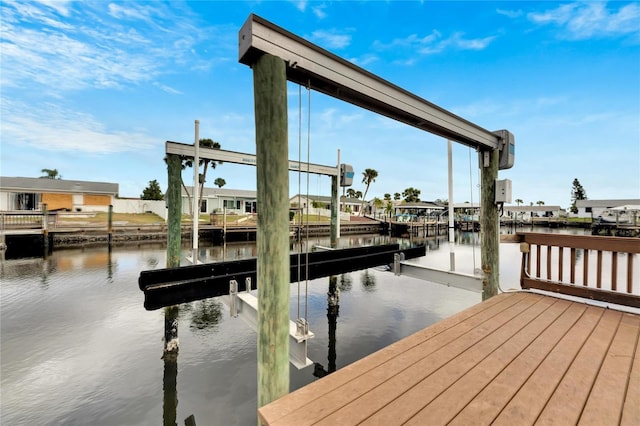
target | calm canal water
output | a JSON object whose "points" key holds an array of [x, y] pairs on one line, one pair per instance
{"points": [[77, 346]]}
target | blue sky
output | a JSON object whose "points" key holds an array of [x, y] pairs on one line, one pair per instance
{"points": [[95, 88]]}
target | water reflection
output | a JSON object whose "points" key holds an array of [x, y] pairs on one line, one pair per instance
{"points": [[333, 310], [368, 280]]}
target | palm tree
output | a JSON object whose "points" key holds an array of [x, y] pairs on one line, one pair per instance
{"points": [[397, 196], [50, 174], [389, 208], [377, 204], [518, 201], [540, 203], [368, 176], [206, 143], [351, 193], [186, 161], [219, 182]]}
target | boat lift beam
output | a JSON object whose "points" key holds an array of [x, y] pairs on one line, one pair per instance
{"points": [[319, 69], [243, 304], [449, 278], [187, 150]]}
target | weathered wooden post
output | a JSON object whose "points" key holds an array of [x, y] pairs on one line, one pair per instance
{"points": [[489, 224], [174, 213], [110, 225], [270, 98], [335, 220], [45, 228]]}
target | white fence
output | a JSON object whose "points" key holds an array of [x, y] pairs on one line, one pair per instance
{"points": [[126, 205]]}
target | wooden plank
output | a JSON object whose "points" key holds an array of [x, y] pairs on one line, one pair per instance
{"points": [[585, 268], [632, 300], [614, 271], [531, 398], [487, 404], [592, 242], [560, 262], [424, 357], [305, 399], [406, 393], [572, 274], [460, 393], [606, 399], [629, 272], [548, 262], [569, 398], [599, 270], [631, 408], [538, 260]]}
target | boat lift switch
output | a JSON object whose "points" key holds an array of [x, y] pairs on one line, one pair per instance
{"points": [[503, 191], [346, 175], [507, 146]]}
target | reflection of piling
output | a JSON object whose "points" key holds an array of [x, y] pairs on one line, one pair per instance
{"points": [[170, 358], [333, 308], [45, 228], [110, 226], [169, 390]]}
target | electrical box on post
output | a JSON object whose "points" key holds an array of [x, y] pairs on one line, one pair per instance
{"points": [[503, 191], [346, 175], [507, 149]]}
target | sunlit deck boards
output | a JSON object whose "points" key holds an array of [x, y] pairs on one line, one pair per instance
{"points": [[518, 358]]}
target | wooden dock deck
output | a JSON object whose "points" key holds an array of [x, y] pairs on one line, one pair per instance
{"points": [[517, 358]]}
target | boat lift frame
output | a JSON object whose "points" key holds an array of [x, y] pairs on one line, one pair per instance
{"points": [[244, 303]]}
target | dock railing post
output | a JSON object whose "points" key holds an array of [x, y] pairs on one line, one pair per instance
{"points": [[489, 229], [270, 98]]}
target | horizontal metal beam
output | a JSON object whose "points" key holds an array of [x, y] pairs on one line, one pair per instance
{"points": [[187, 150], [172, 286], [448, 278], [318, 69]]}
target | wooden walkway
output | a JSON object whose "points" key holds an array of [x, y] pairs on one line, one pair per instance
{"points": [[517, 358]]}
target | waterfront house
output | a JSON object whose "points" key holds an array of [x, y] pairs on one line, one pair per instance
{"points": [[25, 193], [214, 200], [323, 204], [596, 208]]}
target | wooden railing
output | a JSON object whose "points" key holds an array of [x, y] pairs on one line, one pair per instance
{"points": [[26, 219], [595, 267]]}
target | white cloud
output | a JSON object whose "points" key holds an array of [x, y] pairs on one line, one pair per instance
{"points": [[52, 127], [319, 11], [331, 38], [432, 43], [73, 46], [509, 13], [587, 20]]}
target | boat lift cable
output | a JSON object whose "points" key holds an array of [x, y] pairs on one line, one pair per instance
{"points": [[299, 187], [473, 240], [306, 284]]}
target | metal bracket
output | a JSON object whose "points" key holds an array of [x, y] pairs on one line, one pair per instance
{"points": [[245, 306], [448, 278], [233, 298]]}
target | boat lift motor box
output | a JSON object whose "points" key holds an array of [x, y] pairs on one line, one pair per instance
{"points": [[507, 149], [503, 191], [346, 175]]}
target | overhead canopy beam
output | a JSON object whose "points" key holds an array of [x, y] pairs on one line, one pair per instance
{"points": [[318, 69], [247, 159]]}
